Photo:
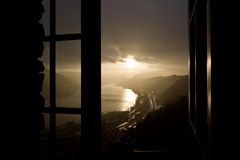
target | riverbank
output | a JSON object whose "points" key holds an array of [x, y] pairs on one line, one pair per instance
{"points": [[145, 128], [118, 127]]}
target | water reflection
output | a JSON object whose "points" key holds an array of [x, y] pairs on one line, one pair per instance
{"points": [[115, 98], [130, 98]]}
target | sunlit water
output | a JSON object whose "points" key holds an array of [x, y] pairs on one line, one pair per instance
{"points": [[114, 98]]}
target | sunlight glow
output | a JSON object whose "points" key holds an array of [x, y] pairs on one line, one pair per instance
{"points": [[130, 62]]}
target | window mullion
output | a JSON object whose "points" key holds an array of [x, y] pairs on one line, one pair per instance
{"points": [[91, 76], [64, 37], [52, 132]]}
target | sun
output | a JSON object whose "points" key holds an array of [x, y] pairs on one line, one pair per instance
{"points": [[130, 62]]}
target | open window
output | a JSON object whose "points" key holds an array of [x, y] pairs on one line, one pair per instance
{"points": [[140, 53]]}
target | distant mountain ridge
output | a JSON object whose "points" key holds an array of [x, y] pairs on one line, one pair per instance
{"points": [[157, 84], [166, 88]]}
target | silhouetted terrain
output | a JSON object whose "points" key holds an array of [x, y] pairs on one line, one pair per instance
{"points": [[174, 92], [67, 141], [157, 122], [162, 129], [67, 83]]}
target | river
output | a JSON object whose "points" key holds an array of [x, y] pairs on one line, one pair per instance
{"points": [[114, 98]]}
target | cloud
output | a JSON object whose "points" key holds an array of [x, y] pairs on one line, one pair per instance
{"points": [[117, 53], [154, 53], [153, 31]]}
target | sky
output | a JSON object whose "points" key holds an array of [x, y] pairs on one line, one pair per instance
{"points": [[152, 34]]}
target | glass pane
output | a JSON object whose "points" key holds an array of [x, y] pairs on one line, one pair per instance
{"points": [[144, 75], [68, 136], [68, 74], [44, 138], [46, 16], [46, 82], [45, 130], [68, 16]]}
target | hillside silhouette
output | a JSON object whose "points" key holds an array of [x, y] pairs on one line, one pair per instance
{"points": [[67, 83], [173, 93], [157, 84], [162, 129]]}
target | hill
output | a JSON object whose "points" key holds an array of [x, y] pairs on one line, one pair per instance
{"points": [[65, 84], [177, 90], [157, 84], [163, 129]]}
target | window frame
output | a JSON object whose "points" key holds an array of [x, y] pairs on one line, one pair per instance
{"points": [[90, 110]]}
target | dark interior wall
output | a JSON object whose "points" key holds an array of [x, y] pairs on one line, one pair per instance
{"points": [[22, 37], [224, 77]]}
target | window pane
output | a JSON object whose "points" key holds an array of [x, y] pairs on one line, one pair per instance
{"points": [[68, 74], [45, 130], [68, 16], [68, 136], [46, 82], [144, 75], [44, 138]]}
